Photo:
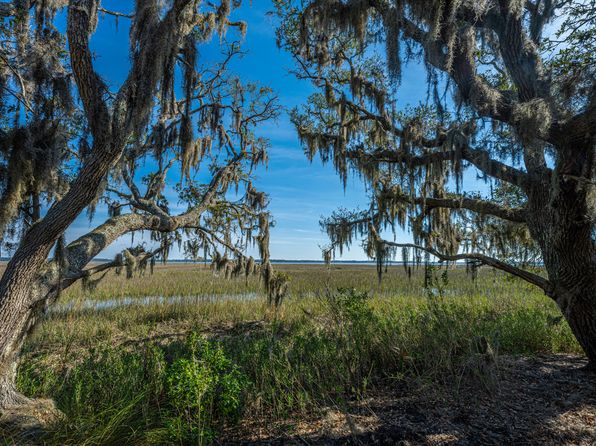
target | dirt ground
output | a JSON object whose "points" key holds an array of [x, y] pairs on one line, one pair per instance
{"points": [[546, 400]]}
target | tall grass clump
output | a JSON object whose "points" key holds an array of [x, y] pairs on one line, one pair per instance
{"points": [[347, 342], [315, 360], [179, 394]]}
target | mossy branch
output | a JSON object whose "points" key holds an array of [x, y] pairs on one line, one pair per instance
{"points": [[528, 276]]}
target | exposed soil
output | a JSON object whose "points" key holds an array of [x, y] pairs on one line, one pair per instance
{"points": [[546, 400]]}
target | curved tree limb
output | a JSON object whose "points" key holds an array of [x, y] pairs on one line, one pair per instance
{"points": [[482, 160], [81, 251], [116, 13], [519, 53], [516, 215], [216, 239], [528, 276], [118, 262], [91, 88], [471, 85]]}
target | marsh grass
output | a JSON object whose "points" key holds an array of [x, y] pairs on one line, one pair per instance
{"points": [[338, 335], [305, 280]]}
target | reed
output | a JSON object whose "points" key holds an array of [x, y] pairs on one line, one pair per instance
{"points": [[338, 334]]}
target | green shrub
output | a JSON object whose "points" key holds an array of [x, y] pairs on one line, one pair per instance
{"points": [[117, 395], [352, 331], [202, 387]]}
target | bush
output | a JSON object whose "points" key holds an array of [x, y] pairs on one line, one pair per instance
{"points": [[202, 387], [353, 330], [118, 396]]}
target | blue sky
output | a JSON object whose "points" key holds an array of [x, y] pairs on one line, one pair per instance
{"points": [[300, 192]]}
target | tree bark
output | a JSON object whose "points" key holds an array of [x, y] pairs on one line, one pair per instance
{"points": [[580, 313], [9, 396], [570, 260], [561, 223], [26, 284]]}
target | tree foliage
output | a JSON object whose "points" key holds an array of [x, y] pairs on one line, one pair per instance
{"points": [[495, 124], [174, 120]]}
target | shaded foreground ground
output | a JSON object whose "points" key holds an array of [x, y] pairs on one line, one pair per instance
{"points": [[546, 400]]}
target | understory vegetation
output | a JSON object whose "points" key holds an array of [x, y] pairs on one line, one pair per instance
{"points": [[182, 373]]}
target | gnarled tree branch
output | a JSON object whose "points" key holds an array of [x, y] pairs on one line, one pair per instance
{"points": [[528, 276], [516, 215]]}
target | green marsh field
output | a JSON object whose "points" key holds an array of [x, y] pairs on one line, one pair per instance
{"points": [[198, 370]]}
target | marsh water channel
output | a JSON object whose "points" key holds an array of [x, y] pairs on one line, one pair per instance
{"points": [[148, 301], [89, 304]]}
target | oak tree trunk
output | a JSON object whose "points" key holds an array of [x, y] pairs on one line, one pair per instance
{"points": [[580, 313], [570, 262], [28, 282], [9, 396], [560, 221], [18, 316]]}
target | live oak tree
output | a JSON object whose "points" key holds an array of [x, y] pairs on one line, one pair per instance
{"points": [[70, 143], [506, 102]]}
